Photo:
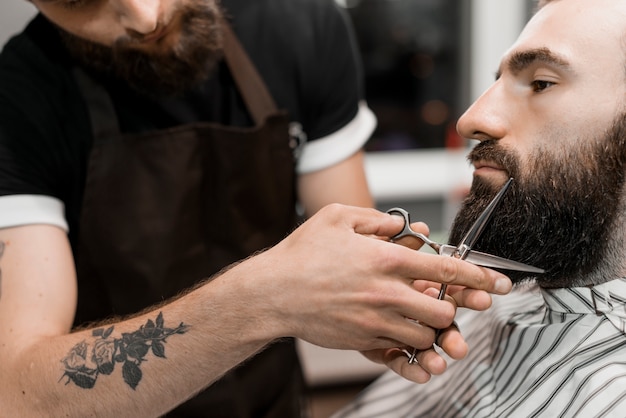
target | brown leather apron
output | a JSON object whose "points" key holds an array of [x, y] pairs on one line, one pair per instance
{"points": [[165, 209]]}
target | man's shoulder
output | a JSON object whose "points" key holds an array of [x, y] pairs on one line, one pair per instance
{"points": [[289, 33], [35, 76], [279, 7], [41, 112], [276, 17], [35, 57], [306, 54]]}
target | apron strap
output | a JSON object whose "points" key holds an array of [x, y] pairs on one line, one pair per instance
{"points": [[251, 86], [104, 123]]}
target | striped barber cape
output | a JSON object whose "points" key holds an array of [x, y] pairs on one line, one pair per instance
{"points": [[534, 353]]}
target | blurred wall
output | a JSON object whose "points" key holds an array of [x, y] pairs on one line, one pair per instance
{"points": [[14, 14], [495, 25]]}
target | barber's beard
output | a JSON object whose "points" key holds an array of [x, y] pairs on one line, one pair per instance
{"points": [[159, 71], [564, 213]]}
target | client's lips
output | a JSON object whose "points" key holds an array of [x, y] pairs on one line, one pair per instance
{"points": [[486, 166], [155, 35]]}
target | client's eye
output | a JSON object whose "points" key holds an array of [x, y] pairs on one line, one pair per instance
{"points": [[540, 85]]}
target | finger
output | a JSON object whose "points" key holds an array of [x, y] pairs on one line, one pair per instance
{"points": [[420, 227], [410, 333], [413, 242], [363, 221], [462, 297], [452, 271], [430, 311], [367, 221], [410, 242], [431, 361], [396, 360], [452, 342], [434, 292], [478, 300], [393, 329], [426, 286]]}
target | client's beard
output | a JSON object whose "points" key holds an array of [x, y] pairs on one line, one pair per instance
{"points": [[164, 72], [565, 214]]}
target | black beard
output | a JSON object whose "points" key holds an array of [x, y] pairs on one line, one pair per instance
{"points": [[563, 215], [169, 72]]}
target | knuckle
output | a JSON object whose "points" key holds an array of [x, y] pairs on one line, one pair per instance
{"points": [[448, 270], [371, 323], [333, 210]]}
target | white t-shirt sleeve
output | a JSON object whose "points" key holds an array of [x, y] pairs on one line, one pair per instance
{"points": [[18, 210], [338, 146]]}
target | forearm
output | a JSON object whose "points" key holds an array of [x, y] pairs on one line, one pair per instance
{"points": [[143, 366], [330, 282], [344, 183]]}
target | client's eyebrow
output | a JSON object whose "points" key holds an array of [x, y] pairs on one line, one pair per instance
{"points": [[519, 61]]}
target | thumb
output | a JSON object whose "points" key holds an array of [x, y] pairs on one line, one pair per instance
{"points": [[374, 222]]}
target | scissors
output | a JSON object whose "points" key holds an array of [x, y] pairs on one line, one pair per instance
{"points": [[464, 250]]}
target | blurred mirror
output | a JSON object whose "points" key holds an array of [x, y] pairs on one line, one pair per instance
{"points": [[416, 58], [414, 67]]}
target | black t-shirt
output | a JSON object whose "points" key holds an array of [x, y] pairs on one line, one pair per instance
{"points": [[303, 49]]}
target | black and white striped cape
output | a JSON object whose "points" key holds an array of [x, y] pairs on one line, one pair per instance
{"points": [[534, 353]]}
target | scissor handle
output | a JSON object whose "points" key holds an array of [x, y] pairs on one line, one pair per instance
{"points": [[406, 229]]}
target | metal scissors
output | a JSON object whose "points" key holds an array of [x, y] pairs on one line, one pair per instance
{"points": [[464, 250]]}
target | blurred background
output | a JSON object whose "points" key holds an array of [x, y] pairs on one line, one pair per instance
{"points": [[425, 61]]}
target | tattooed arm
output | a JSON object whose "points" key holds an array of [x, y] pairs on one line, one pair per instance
{"points": [[121, 369], [330, 283]]}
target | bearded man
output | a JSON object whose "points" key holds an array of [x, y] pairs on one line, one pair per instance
{"points": [[555, 121]]}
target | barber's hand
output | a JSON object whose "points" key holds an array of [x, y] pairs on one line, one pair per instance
{"points": [[429, 362], [463, 296], [338, 282]]}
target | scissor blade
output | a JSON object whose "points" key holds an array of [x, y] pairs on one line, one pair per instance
{"points": [[489, 260], [474, 232]]}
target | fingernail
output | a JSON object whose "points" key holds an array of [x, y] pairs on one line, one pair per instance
{"points": [[503, 285]]}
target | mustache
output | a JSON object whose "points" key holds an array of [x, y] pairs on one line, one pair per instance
{"points": [[492, 151], [189, 60]]}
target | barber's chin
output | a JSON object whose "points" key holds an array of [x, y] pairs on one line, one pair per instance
{"points": [[494, 176]]}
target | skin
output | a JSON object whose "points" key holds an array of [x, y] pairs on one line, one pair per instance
{"points": [[156, 20], [571, 88], [104, 21], [330, 283], [336, 281], [558, 92], [561, 83]]}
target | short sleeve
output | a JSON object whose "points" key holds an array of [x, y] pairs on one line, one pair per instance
{"points": [[306, 51]]}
